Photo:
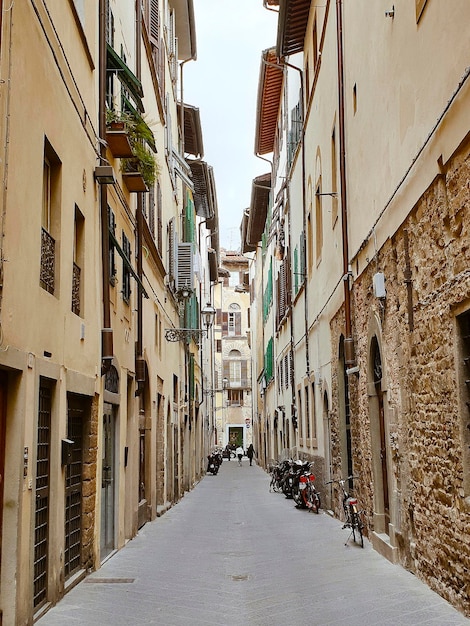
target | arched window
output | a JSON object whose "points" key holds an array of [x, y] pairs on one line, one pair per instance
{"points": [[234, 319]]}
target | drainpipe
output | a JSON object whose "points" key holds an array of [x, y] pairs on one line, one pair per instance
{"points": [[139, 360], [349, 354], [304, 221], [106, 331]]}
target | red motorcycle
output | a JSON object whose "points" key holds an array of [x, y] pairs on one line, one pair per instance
{"points": [[306, 496]]}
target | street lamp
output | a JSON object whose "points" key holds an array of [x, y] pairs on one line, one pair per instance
{"points": [[185, 334], [208, 314]]}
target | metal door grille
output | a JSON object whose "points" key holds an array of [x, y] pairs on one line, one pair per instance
{"points": [[73, 494], [41, 530]]}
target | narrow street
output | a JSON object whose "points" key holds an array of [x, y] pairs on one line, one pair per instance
{"points": [[231, 553]]}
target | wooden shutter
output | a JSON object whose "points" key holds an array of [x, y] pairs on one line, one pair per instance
{"points": [[185, 269], [224, 323], [171, 250], [154, 23], [238, 323]]}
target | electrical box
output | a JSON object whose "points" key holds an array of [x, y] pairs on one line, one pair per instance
{"points": [[378, 282], [67, 447]]}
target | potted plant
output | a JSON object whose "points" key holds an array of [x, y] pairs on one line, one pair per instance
{"points": [[119, 128], [139, 165]]}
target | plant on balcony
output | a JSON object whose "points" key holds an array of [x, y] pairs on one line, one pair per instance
{"points": [[140, 136]]}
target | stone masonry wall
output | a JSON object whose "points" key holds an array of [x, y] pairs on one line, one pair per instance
{"points": [[427, 268]]}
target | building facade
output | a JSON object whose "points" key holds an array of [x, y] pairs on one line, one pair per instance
{"points": [[233, 353], [361, 290], [108, 257]]}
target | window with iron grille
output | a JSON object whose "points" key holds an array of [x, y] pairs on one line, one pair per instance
{"points": [[78, 260], [50, 218], [41, 526]]}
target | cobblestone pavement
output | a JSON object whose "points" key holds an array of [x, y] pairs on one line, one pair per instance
{"points": [[231, 553]]}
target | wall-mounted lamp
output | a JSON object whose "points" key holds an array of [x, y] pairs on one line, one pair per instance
{"points": [[391, 12], [185, 334], [104, 175], [208, 314]]}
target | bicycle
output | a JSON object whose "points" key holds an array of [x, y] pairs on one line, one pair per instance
{"points": [[353, 517]]}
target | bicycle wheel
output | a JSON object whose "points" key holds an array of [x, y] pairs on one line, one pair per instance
{"points": [[356, 525]]}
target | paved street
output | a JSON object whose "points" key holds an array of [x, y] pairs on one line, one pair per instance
{"points": [[231, 553]]}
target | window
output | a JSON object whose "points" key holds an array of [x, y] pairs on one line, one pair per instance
{"points": [[463, 324], [419, 8], [126, 274], [315, 44], [235, 397], [318, 224], [159, 222], [235, 373], [158, 333], [78, 261], [334, 179], [112, 255], [234, 319], [313, 420], [310, 240], [50, 218]]}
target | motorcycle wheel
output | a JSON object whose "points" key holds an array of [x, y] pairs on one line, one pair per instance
{"points": [[298, 499], [314, 500]]}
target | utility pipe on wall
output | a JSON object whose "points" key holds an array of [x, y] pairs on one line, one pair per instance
{"points": [[350, 357], [106, 332]]}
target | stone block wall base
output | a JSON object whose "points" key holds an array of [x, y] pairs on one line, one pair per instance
{"points": [[163, 508], [381, 543]]}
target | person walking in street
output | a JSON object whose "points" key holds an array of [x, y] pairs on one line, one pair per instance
{"points": [[239, 453], [228, 451], [250, 453]]}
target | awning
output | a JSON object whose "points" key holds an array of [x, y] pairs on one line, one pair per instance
{"points": [[127, 263], [269, 102], [114, 63], [292, 26], [260, 192]]}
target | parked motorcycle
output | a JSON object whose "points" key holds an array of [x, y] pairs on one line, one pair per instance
{"points": [[306, 496], [214, 461]]}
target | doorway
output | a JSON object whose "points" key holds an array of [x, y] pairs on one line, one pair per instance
{"points": [[3, 421], [235, 436], [108, 482], [41, 519], [379, 440], [76, 416]]}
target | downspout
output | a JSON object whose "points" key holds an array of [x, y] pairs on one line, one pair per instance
{"points": [[106, 331], [139, 359], [349, 354], [304, 257]]}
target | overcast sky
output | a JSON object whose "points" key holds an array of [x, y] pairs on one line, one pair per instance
{"points": [[223, 84]]}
